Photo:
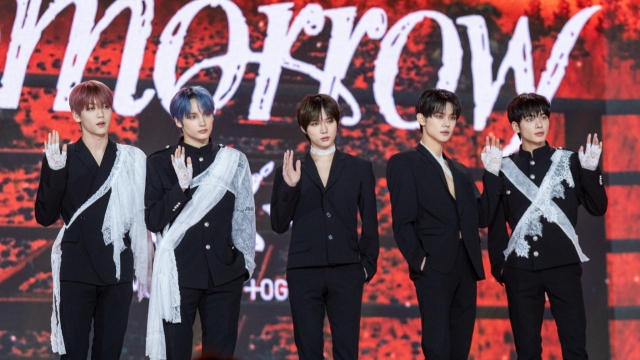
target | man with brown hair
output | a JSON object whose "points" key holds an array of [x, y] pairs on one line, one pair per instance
{"points": [[327, 265]]}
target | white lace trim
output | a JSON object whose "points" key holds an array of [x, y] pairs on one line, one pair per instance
{"points": [[229, 172], [542, 204], [328, 151], [125, 213]]}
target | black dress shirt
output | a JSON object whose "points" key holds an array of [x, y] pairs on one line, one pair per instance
{"points": [[554, 247], [85, 257], [325, 218], [207, 247]]}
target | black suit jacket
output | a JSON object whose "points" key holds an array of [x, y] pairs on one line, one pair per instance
{"points": [[427, 220], [325, 219], [207, 247], [553, 247], [85, 257]]}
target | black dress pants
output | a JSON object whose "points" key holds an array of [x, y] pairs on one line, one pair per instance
{"points": [[526, 296], [219, 308], [447, 305], [336, 290], [108, 308]]}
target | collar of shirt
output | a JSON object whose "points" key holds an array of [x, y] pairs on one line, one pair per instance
{"points": [[201, 157], [440, 160], [537, 153]]}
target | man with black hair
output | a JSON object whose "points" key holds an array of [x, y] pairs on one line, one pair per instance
{"points": [[543, 188], [436, 210]]}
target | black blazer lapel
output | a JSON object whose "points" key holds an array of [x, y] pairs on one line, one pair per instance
{"points": [[458, 181], [432, 160], [85, 156], [309, 167], [336, 167], [108, 159]]}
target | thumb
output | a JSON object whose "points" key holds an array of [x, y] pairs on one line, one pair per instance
{"points": [[581, 149], [64, 148], [189, 160]]}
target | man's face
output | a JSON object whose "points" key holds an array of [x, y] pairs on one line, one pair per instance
{"points": [[440, 125], [322, 132], [533, 129], [95, 118], [196, 125]]}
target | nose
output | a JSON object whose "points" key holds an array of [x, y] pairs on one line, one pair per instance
{"points": [[323, 127], [201, 121]]}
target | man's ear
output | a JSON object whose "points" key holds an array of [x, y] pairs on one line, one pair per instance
{"points": [[76, 117], [178, 122], [421, 119], [515, 127]]}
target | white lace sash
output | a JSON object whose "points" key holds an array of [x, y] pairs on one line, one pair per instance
{"points": [[541, 203]]}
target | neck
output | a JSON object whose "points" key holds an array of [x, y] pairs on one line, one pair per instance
{"points": [[530, 146], [95, 143], [432, 144], [195, 142]]}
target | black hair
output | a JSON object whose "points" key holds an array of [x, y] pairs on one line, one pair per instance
{"points": [[435, 101], [310, 109], [527, 104]]}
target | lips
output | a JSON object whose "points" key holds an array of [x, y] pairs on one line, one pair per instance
{"points": [[101, 124], [445, 133], [326, 138], [540, 133], [203, 131]]}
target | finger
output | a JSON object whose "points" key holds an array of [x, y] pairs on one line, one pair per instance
{"points": [[589, 139], [298, 168], [499, 145], [173, 160], [189, 160], [487, 143], [284, 161], [64, 148], [56, 141], [595, 140], [581, 149], [48, 139]]}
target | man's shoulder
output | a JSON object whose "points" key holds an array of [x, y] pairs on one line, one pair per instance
{"points": [[408, 155]]}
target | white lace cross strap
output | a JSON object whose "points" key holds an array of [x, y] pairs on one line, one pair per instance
{"points": [[125, 213], [229, 172], [542, 203]]}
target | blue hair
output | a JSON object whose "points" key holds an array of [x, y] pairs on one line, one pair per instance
{"points": [[181, 103]]}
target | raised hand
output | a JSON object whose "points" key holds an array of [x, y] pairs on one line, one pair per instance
{"points": [[492, 155], [589, 159], [56, 159], [183, 171], [290, 174]]}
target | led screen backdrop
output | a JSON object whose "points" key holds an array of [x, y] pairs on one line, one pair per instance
{"points": [[260, 58]]}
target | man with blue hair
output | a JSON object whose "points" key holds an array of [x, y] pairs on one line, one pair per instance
{"points": [[202, 210]]}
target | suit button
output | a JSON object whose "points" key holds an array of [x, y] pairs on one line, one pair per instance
{"points": [[532, 176], [201, 159], [328, 215], [233, 248], [532, 162], [508, 192], [207, 247], [206, 224], [535, 253], [330, 237], [535, 238]]}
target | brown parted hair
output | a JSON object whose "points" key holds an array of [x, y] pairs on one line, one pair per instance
{"points": [[310, 109], [89, 92]]}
